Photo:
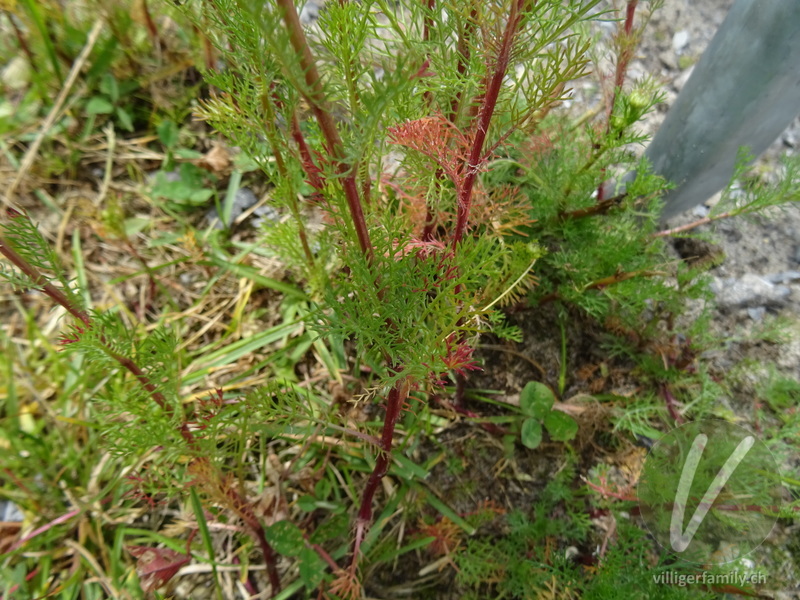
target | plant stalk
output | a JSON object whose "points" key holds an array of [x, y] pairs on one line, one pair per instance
{"points": [[315, 96], [481, 127], [394, 405], [235, 500], [40, 280]]}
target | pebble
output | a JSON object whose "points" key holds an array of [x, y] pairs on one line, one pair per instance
{"points": [[309, 13], [749, 291], [680, 40], [784, 277], [10, 512], [17, 74], [244, 199], [265, 214], [668, 59]]}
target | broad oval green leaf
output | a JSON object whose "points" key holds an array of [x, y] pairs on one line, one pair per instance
{"points": [[536, 400], [286, 538], [531, 433], [99, 106], [312, 568], [560, 426]]}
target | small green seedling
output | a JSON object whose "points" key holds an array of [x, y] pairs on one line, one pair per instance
{"points": [[536, 402]]}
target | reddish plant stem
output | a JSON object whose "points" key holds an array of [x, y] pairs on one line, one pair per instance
{"points": [[692, 225], [626, 46], [310, 167], [236, 501], [283, 171], [626, 495], [307, 161], [23, 43], [249, 583], [672, 404], [627, 51], [394, 405], [600, 208], [245, 511], [315, 96], [601, 283], [488, 104], [463, 50], [490, 427], [31, 272], [397, 396], [15, 587], [481, 128], [152, 29]]}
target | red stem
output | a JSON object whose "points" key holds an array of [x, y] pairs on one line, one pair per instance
{"points": [[692, 225], [241, 506], [601, 283], [462, 48], [311, 168], [488, 104], [625, 54], [36, 277], [626, 49], [672, 404], [394, 404], [630, 10], [251, 520], [150, 24], [23, 43], [315, 96]]}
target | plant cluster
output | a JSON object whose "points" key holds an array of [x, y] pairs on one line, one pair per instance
{"points": [[424, 189]]}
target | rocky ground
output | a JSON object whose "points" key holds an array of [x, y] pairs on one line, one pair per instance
{"points": [[757, 272]]}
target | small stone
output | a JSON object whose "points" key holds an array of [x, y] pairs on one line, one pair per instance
{"points": [[790, 139], [680, 40], [796, 256], [244, 199], [714, 200], [783, 277], [265, 215], [17, 74], [757, 313], [571, 552], [668, 59], [748, 291], [10, 512], [309, 13]]}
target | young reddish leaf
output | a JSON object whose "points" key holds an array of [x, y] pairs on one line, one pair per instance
{"points": [[156, 566], [438, 139]]}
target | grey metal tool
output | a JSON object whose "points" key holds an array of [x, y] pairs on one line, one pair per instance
{"points": [[744, 91]]}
